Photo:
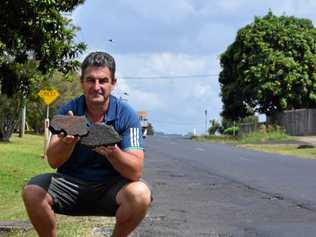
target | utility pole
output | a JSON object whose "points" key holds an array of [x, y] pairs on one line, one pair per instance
{"points": [[22, 122], [23, 118], [205, 112]]}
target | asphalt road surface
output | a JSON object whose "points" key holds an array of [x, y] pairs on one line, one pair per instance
{"points": [[216, 190]]}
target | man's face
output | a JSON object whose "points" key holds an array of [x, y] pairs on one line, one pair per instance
{"points": [[97, 84]]}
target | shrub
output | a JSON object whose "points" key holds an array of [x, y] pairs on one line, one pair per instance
{"points": [[233, 131], [266, 133]]}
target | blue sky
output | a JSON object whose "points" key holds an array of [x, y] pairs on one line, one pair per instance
{"points": [[173, 38]]}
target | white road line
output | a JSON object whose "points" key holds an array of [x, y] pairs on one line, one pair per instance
{"points": [[243, 158], [199, 149]]}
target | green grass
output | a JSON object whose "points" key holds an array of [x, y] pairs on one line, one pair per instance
{"points": [[250, 138], [284, 149], [262, 137], [72, 226], [258, 141], [20, 160], [219, 139]]}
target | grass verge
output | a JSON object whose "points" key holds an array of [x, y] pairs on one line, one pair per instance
{"points": [[264, 137], [283, 149], [250, 138], [219, 139], [272, 142], [20, 160]]}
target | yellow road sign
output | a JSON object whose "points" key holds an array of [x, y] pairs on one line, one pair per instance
{"points": [[48, 96]]}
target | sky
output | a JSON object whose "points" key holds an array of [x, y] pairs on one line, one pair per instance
{"points": [[167, 51]]}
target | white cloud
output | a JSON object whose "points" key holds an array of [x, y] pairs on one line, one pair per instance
{"points": [[201, 89], [164, 10], [231, 5], [176, 64], [139, 98], [176, 104]]}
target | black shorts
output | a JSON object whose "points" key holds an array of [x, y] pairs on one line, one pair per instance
{"points": [[75, 197]]}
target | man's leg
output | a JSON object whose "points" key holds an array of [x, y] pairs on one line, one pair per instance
{"points": [[38, 206], [134, 200]]}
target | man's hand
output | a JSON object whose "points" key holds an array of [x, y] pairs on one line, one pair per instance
{"points": [[107, 151], [60, 148], [128, 163], [68, 139]]}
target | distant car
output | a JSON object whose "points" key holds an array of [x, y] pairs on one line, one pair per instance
{"points": [[188, 135]]}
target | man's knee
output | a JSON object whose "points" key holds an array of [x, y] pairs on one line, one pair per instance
{"points": [[33, 194], [136, 193]]}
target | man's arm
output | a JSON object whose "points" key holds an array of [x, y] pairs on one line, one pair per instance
{"points": [[128, 163], [59, 149]]}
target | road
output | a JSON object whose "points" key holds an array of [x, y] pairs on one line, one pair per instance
{"points": [[216, 190]]}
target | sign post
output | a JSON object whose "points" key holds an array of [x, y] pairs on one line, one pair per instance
{"points": [[48, 97]]}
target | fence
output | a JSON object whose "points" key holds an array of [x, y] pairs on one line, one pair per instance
{"points": [[299, 122], [245, 128]]}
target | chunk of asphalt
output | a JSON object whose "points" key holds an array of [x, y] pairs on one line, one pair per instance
{"points": [[101, 135], [70, 125], [7, 226]]}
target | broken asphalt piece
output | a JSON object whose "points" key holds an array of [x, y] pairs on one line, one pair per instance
{"points": [[70, 125], [96, 135], [7, 226], [101, 135]]}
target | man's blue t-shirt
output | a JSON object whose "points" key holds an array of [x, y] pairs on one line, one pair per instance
{"points": [[88, 165]]}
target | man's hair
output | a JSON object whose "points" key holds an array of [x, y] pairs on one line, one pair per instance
{"points": [[98, 59]]}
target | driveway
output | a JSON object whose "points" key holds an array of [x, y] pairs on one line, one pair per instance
{"points": [[307, 139]]}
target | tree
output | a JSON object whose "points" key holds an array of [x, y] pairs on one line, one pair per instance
{"points": [[271, 66], [8, 116], [215, 126], [36, 39]]}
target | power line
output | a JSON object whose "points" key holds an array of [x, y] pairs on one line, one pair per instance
{"points": [[168, 77]]}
